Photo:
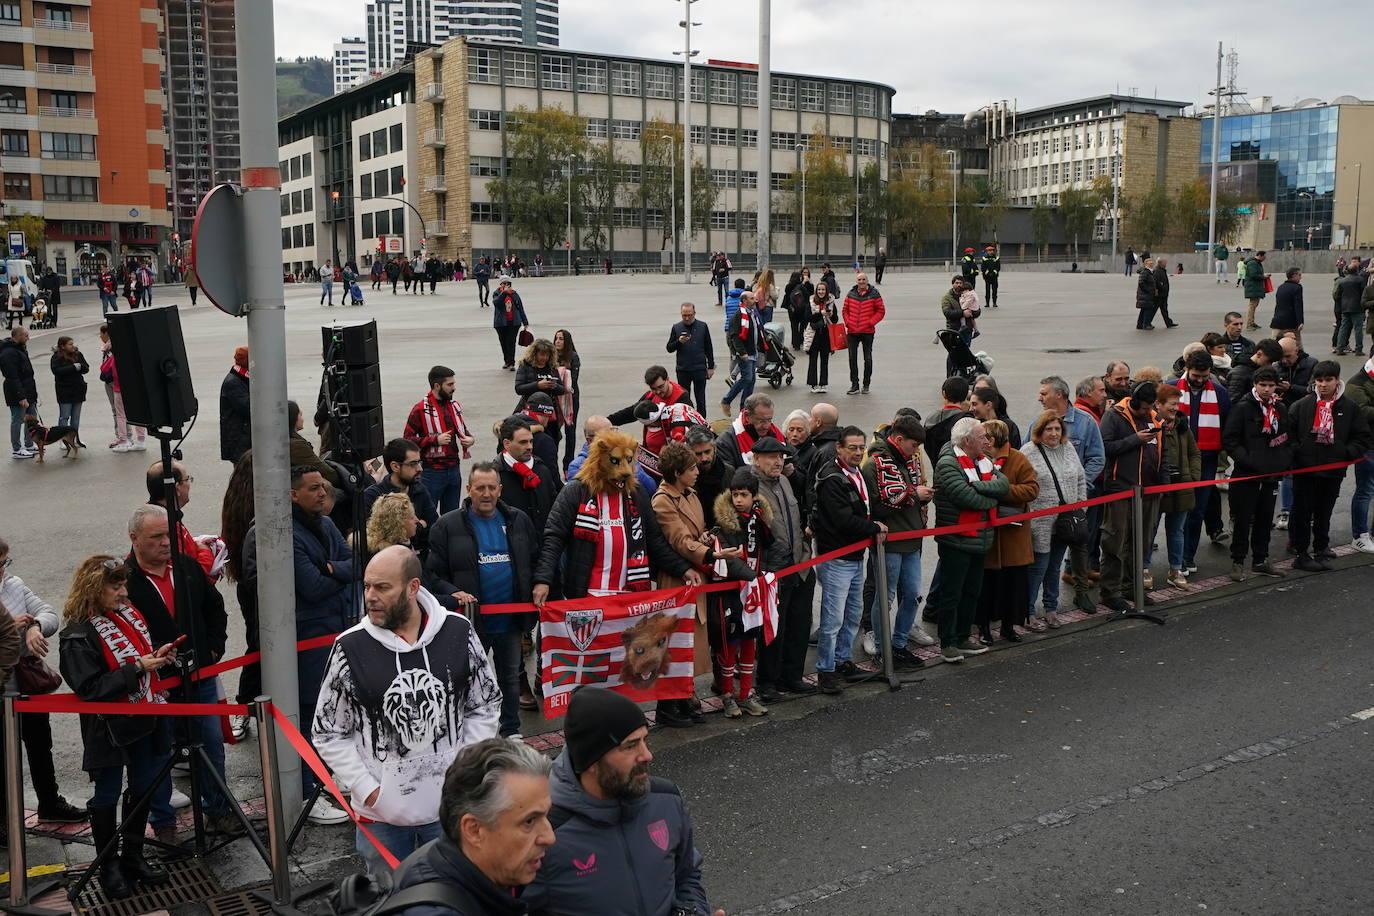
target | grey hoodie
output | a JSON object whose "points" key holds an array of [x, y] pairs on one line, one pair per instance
{"points": [[617, 858]]}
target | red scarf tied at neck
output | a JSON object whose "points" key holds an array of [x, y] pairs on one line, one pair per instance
{"points": [[525, 471]]}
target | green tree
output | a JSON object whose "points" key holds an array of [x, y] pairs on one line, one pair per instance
{"points": [[981, 205], [597, 190], [539, 147], [1192, 215], [1042, 222], [1150, 215], [872, 206], [826, 187], [918, 197], [1080, 207], [34, 227], [660, 184]]}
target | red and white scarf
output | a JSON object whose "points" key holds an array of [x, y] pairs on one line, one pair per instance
{"points": [[124, 640], [1369, 367], [1270, 410], [1208, 414], [611, 522], [745, 437], [1324, 420], [982, 469], [856, 480], [524, 470], [759, 597], [433, 416], [239, 370]]}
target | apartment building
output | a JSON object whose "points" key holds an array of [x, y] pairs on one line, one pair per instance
{"points": [[350, 63], [81, 122], [397, 29]]}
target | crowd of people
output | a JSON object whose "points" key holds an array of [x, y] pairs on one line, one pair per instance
{"points": [[416, 706]]}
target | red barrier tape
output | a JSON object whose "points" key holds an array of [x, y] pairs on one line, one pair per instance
{"points": [[69, 702], [1198, 484], [312, 760]]}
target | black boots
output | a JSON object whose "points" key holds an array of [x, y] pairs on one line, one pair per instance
{"points": [[104, 820], [137, 870]]}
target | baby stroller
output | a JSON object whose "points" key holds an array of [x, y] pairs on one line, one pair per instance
{"points": [[962, 361], [42, 315], [775, 362], [355, 294]]}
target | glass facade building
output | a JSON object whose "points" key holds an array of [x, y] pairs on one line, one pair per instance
{"points": [[1295, 156]]}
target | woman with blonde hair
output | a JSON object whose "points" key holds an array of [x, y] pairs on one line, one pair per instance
{"points": [[392, 522], [107, 656]]}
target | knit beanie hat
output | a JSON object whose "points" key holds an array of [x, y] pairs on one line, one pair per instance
{"points": [[598, 720], [241, 357]]}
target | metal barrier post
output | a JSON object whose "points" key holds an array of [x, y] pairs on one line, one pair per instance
{"points": [[882, 617], [14, 804], [271, 793], [1138, 547]]}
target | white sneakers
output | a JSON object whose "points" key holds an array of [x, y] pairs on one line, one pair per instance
{"points": [[325, 814], [130, 446], [180, 799], [20, 454], [1364, 543], [919, 636], [870, 644]]}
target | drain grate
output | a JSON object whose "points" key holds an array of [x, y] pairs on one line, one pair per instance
{"points": [[239, 903], [188, 882]]}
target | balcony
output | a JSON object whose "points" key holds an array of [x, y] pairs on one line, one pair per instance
{"points": [[49, 111], [438, 229], [433, 92], [62, 25], [434, 138], [437, 184], [62, 69]]}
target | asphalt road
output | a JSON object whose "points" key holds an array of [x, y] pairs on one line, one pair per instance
{"points": [[1212, 764]]}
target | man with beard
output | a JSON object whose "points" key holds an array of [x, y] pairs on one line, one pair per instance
{"points": [[714, 472], [401, 458], [405, 689], [436, 425], [625, 841]]}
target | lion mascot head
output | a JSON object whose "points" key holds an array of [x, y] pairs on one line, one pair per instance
{"points": [[610, 464]]}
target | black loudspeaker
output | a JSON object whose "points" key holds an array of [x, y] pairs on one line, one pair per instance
{"points": [[352, 344], [363, 430], [364, 387], [154, 377]]}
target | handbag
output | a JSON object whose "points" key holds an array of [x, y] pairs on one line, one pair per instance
{"points": [[525, 337], [1069, 527], [1268, 283], [839, 337], [34, 677]]}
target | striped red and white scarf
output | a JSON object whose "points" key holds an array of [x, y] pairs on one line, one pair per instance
{"points": [[745, 437], [433, 413], [1270, 410], [982, 469], [124, 639], [611, 522]]}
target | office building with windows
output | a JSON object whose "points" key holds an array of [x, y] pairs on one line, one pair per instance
{"points": [[1297, 171], [397, 29], [81, 123], [468, 91], [350, 63]]}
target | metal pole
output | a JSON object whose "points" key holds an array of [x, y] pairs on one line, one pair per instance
{"points": [[1138, 547], [1355, 230], [1116, 180], [271, 793], [954, 243], [1216, 138], [569, 239], [763, 245], [672, 198], [803, 212], [882, 625], [267, 349], [14, 804], [687, 142]]}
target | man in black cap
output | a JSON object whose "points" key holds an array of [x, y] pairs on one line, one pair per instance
{"points": [[624, 837]]}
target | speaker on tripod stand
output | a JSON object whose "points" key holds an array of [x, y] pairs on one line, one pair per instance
{"points": [[353, 390]]}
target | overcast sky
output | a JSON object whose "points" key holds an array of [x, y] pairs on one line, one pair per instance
{"points": [[953, 57]]}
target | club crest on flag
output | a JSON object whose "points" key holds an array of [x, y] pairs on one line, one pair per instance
{"points": [[583, 627]]}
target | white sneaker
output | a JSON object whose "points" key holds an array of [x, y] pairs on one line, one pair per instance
{"points": [[19, 454], [180, 799], [139, 446], [1281, 523], [920, 637], [870, 644], [123, 447], [1364, 544], [325, 814]]}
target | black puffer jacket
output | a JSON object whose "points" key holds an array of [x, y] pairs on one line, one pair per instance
{"points": [[17, 369], [453, 562], [68, 378], [235, 417], [1351, 439], [1252, 449], [1145, 288], [840, 517]]}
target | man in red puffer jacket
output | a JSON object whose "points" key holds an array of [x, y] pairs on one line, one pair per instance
{"points": [[863, 309]]}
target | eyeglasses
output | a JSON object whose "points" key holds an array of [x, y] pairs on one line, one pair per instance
{"points": [[411, 464], [5, 563]]}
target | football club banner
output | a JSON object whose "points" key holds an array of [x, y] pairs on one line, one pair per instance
{"points": [[637, 644]]}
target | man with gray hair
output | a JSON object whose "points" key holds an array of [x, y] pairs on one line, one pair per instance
{"points": [[755, 421], [967, 489], [1081, 429], [405, 689], [493, 814]]}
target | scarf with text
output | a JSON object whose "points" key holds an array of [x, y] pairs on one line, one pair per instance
{"points": [[1270, 410], [442, 417], [611, 522], [529, 480], [745, 437], [1324, 421], [897, 476], [124, 639], [982, 469]]}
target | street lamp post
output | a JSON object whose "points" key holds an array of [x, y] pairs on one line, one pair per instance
{"points": [[763, 245], [954, 242], [1216, 135], [687, 54], [672, 197], [801, 244], [568, 241], [1355, 229], [1116, 185]]}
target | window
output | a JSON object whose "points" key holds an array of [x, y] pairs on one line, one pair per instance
{"points": [[308, 200], [9, 13], [784, 93], [485, 166], [11, 55], [520, 68], [364, 147], [16, 143], [306, 164], [483, 119], [866, 146], [365, 187], [398, 179], [812, 95], [286, 205], [625, 217], [748, 136], [841, 98], [782, 222], [485, 212], [655, 219], [295, 168], [624, 78], [380, 185], [555, 72], [698, 86], [840, 143], [698, 135], [70, 188], [14, 101], [481, 69], [627, 174], [598, 128], [780, 180], [398, 221], [1091, 168], [591, 77], [295, 201], [309, 233], [622, 129], [722, 219], [723, 178], [866, 101], [749, 221], [383, 220], [1054, 173], [724, 88], [367, 226], [749, 180], [379, 142], [397, 144], [749, 90], [722, 136], [658, 82], [784, 140], [65, 100], [1078, 170], [286, 237]]}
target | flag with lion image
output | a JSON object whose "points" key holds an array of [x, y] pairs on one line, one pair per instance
{"points": [[637, 644]]}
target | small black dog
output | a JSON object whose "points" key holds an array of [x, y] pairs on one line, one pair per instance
{"points": [[43, 436]]}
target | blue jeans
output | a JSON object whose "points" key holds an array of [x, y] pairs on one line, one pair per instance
{"points": [[1044, 577], [207, 729], [17, 415], [1192, 531], [69, 415], [108, 303], [505, 649], [146, 756], [327, 290], [1285, 494], [842, 604], [1174, 537], [1364, 495], [399, 841], [903, 590], [445, 487], [744, 383]]}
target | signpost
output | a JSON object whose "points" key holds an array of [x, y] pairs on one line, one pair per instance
{"points": [[217, 250], [17, 244]]}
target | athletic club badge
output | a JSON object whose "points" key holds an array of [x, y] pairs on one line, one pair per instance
{"points": [[583, 627]]}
